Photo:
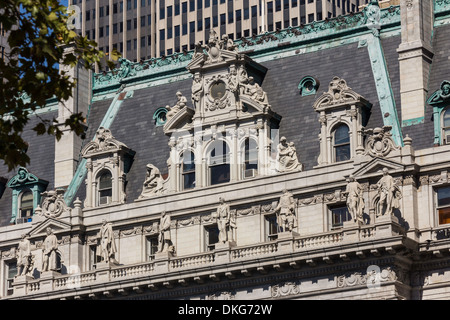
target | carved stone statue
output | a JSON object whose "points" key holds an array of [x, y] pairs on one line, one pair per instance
{"points": [[50, 247], [355, 200], [228, 44], [107, 247], [153, 183], [164, 239], [255, 92], [24, 257], [285, 209], [181, 103], [389, 194], [224, 221], [287, 157], [197, 90]]}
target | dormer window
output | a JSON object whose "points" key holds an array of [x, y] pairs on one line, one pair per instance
{"points": [[105, 188], [108, 162]]}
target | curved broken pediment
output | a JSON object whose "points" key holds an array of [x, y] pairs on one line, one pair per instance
{"points": [[104, 141], [339, 93], [179, 120]]}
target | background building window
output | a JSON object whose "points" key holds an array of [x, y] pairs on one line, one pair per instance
{"points": [[443, 204], [338, 216], [271, 227], [211, 237], [188, 170], [105, 188], [341, 143]]}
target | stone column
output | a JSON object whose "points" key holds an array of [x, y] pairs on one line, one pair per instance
{"points": [[415, 57]]}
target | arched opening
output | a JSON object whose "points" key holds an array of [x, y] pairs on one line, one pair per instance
{"points": [[188, 170], [219, 163], [26, 207], [104, 188], [341, 143]]}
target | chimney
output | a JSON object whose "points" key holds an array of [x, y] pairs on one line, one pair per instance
{"points": [[68, 148], [415, 57]]}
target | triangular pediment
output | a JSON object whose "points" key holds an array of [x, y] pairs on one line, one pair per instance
{"points": [[179, 120], [40, 228], [375, 167]]}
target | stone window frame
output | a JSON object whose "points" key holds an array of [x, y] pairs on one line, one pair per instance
{"points": [[8, 289], [330, 208], [267, 224], [149, 239], [208, 247]]}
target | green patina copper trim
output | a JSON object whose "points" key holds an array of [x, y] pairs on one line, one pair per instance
{"points": [[411, 122], [107, 121], [264, 44], [384, 88], [440, 100]]}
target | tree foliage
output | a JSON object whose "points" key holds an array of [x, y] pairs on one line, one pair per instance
{"points": [[38, 33]]}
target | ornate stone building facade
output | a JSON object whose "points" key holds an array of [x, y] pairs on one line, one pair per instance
{"points": [[285, 166]]}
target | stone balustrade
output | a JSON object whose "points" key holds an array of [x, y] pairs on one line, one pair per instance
{"points": [[287, 244]]}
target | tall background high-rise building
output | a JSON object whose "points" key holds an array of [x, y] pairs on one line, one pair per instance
{"points": [[142, 29]]}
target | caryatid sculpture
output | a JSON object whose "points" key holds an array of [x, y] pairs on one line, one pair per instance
{"points": [[389, 193], [107, 247], [287, 157], [285, 210], [49, 251], [355, 200], [24, 257]]}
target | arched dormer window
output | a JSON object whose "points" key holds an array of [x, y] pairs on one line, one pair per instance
{"points": [[188, 170], [250, 158], [104, 187], [308, 86], [341, 143], [26, 195], [219, 163], [25, 207]]}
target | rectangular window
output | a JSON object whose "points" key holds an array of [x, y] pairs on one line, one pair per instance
{"points": [[215, 21], [143, 21], [162, 13], [11, 273], [135, 23], [101, 12], [129, 5], [277, 5], [199, 25], [191, 5], [169, 11], [115, 28], [271, 227], [211, 237], [246, 14], [238, 15], [177, 31], [128, 24], [310, 17], [223, 19], [254, 11], [443, 204], [199, 4], [184, 28], [100, 31], [338, 216], [142, 42], [177, 9], [162, 34], [129, 45], [207, 23], [207, 3], [88, 15], [184, 7], [151, 247]]}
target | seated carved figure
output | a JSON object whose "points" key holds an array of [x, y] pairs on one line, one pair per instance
{"points": [[181, 103], [153, 183], [287, 157]]}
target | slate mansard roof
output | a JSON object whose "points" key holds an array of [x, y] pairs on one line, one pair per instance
{"points": [[289, 56]]}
